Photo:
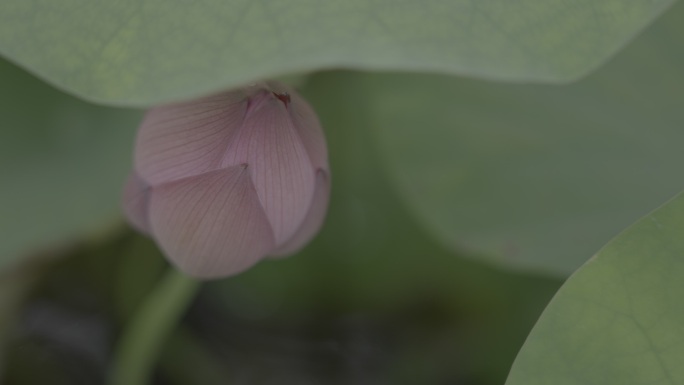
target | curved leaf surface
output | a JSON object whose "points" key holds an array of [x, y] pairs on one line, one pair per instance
{"points": [[619, 319], [143, 52], [538, 177]]}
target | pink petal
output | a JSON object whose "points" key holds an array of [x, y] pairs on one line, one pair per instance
{"points": [[313, 221], [309, 129], [280, 167], [135, 203], [211, 225], [186, 139]]}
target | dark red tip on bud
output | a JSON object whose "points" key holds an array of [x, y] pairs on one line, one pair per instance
{"points": [[283, 97]]}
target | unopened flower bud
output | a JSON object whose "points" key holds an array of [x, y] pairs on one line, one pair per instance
{"points": [[224, 181]]}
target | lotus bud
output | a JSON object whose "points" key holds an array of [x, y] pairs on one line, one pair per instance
{"points": [[224, 181]]}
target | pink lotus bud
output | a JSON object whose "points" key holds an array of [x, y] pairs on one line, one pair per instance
{"points": [[226, 180]]}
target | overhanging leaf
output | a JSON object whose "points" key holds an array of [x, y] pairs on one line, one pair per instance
{"points": [[620, 318], [538, 177], [142, 52], [62, 165]]}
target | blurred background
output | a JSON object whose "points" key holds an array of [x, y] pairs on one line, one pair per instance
{"points": [[458, 208]]}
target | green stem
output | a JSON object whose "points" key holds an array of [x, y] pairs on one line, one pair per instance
{"points": [[147, 331]]}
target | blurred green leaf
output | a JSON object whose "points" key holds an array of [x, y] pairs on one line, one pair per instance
{"points": [[133, 52], [538, 177], [62, 165], [619, 319]]}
